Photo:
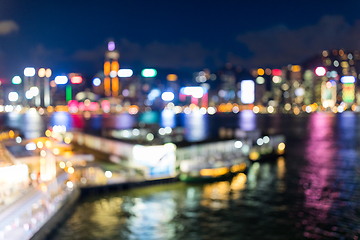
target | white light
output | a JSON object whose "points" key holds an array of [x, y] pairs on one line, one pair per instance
{"points": [[247, 91], [29, 72], [34, 91], [16, 80], [96, 82], [211, 110], [125, 73], [320, 71], [196, 92], [299, 92], [113, 74], [69, 184], [149, 137], [202, 111], [347, 79], [18, 139], [108, 174], [168, 130], [266, 139], [260, 80], [61, 80], [136, 132], [167, 96], [9, 108], [308, 109], [340, 109], [28, 95], [162, 131], [30, 146], [260, 141], [13, 96], [33, 176], [238, 144]]}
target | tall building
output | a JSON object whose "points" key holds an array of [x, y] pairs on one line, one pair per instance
{"points": [[111, 68]]}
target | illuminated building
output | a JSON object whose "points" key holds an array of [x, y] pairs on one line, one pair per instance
{"points": [[111, 68]]}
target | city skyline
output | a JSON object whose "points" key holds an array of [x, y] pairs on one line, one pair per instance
{"points": [[72, 37]]}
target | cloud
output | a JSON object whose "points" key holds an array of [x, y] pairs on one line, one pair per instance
{"points": [[279, 45], [8, 26], [185, 54]]}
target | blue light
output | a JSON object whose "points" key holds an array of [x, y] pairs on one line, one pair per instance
{"points": [[347, 79], [96, 82]]}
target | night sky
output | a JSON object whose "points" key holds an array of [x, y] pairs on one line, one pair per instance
{"points": [[71, 36]]}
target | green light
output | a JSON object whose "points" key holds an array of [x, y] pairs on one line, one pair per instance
{"points": [[68, 93], [16, 80], [148, 72]]}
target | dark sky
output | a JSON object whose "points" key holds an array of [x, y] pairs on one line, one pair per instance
{"points": [[71, 36]]}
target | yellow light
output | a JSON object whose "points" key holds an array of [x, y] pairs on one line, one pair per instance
{"points": [[48, 73], [56, 151], [48, 133], [281, 146], [256, 109], [172, 77], [296, 111], [41, 72], [11, 134], [39, 144], [260, 71], [71, 170], [295, 68], [67, 140], [42, 161], [68, 164], [254, 156], [48, 144], [62, 165]]}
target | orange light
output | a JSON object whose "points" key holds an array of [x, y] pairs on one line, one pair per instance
{"points": [[107, 84], [295, 68], [172, 77], [114, 66], [115, 86], [107, 69], [260, 71]]}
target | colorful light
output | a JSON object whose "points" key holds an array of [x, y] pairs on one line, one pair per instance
{"points": [[148, 72], [276, 72], [76, 79], [111, 46]]}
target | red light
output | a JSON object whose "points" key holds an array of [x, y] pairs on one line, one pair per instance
{"points": [[276, 72], [76, 79], [320, 71]]}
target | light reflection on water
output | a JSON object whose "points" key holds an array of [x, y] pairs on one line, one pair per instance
{"points": [[312, 192]]}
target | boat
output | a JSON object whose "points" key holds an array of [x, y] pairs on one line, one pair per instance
{"points": [[212, 168], [267, 148]]}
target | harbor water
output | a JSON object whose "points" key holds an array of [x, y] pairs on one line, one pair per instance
{"points": [[310, 193]]}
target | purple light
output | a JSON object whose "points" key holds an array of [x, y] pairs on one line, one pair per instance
{"points": [[111, 46]]}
